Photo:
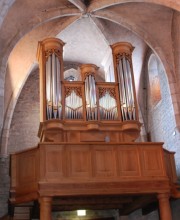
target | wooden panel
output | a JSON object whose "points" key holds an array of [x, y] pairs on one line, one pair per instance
{"points": [[128, 164], [103, 161], [170, 165], [92, 136], [54, 162], [27, 165], [79, 162], [73, 136], [152, 161]]}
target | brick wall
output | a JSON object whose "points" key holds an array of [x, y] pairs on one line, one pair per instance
{"points": [[4, 185], [25, 121], [161, 120]]}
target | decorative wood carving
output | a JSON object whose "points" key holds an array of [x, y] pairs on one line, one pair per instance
{"points": [[103, 90], [77, 90]]}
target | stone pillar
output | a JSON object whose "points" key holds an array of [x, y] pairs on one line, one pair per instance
{"points": [[176, 50], [45, 208], [164, 206]]}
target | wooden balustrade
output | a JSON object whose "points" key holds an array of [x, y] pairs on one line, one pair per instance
{"points": [[75, 169], [170, 165]]}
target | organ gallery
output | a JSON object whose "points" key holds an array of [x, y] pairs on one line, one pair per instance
{"points": [[87, 149]]}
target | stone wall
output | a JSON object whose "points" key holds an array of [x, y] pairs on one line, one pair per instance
{"points": [[4, 5], [25, 121], [4, 185], [23, 132], [161, 120]]}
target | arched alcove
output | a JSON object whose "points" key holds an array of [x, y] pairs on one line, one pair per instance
{"points": [[154, 83], [161, 123]]}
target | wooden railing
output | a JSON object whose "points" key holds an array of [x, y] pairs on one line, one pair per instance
{"points": [[170, 165], [95, 168]]}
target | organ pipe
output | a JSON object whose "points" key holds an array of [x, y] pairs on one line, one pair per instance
{"points": [[108, 107], [73, 106], [50, 59], [88, 72], [65, 101], [122, 57]]}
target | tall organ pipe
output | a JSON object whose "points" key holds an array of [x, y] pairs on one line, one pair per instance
{"points": [[50, 59], [53, 87], [122, 53], [88, 72]]}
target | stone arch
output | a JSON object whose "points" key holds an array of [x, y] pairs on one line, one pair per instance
{"points": [[10, 110], [160, 115], [97, 5], [5, 5], [5, 125]]}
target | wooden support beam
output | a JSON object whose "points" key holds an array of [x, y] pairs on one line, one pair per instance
{"points": [[95, 202], [45, 208], [87, 207], [92, 200], [164, 206]]}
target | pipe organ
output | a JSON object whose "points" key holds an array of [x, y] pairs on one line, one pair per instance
{"points": [[86, 150], [88, 72], [73, 102], [95, 104], [51, 75], [124, 76]]}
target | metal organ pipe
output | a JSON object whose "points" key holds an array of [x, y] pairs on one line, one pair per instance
{"points": [[125, 88], [124, 76], [73, 105], [53, 87], [91, 101], [108, 107], [88, 75], [51, 77], [48, 87], [50, 59]]}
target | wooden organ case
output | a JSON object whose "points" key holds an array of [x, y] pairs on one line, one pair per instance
{"points": [[87, 156]]}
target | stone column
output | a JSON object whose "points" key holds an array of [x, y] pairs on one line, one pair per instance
{"points": [[176, 49], [164, 206], [45, 208]]}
